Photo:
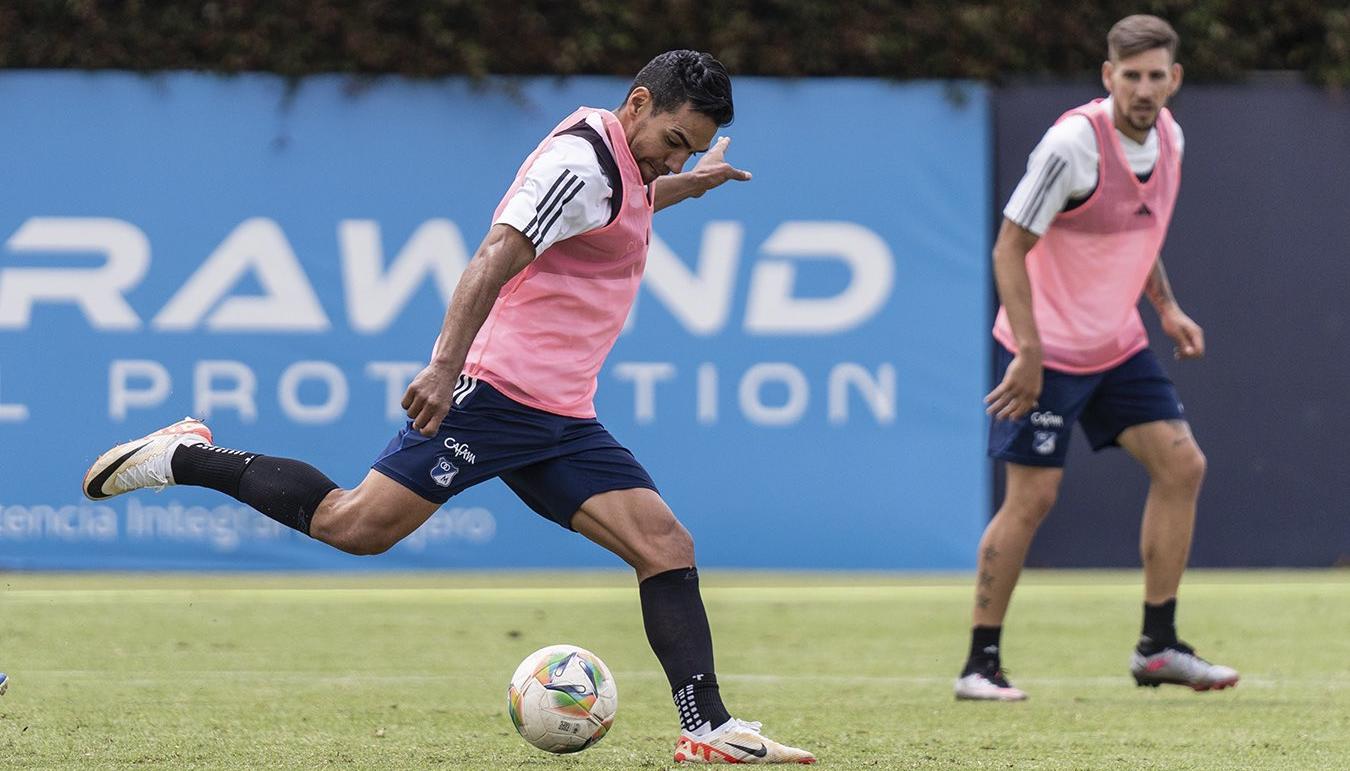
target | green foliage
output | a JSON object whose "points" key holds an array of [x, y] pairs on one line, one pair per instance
{"points": [[393, 672], [1221, 39]]}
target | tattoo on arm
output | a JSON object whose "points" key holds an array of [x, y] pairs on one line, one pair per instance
{"points": [[1158, 288]]}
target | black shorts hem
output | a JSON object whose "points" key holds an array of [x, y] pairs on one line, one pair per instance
{"points": [[1028, 460]]}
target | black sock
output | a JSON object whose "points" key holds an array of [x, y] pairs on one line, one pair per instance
{"points": [[288, 491], [699, 703], [984, 642], [677, 629], [206, 465], [1160, 627]]}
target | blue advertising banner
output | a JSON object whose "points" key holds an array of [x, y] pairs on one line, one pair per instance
{"points": [[802, 373]]}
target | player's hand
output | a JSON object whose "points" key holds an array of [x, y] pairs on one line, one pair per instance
{"points": [[1017, 394], [427, 400], [712, 169], [1187, 335]]}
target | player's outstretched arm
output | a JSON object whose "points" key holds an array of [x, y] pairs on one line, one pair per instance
{"points": [[710, 171], [503, 253], [1185, 333], [1016, 395]]}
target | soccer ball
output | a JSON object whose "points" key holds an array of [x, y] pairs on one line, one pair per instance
{"points": [[562, 698]]}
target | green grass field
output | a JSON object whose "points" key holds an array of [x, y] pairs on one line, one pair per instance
{"points": [[252, 672]]}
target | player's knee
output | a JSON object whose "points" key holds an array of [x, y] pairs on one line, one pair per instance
{"points": [[367, 539], [1184, 470], [1030, 507], [666, 545], [366, 543]]}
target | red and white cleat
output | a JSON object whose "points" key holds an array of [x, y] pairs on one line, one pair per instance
{"points": [[737, 741], [1177, 664], [143, 462]]}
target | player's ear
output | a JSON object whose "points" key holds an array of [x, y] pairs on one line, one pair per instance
{"points": [[1107, 69], [638, 99], [1176, 77]]}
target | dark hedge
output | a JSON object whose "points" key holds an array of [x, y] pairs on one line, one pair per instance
{"points": [[1221, 39]]}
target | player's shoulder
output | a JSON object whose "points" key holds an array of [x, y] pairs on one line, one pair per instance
{"points": [[575, 154], [1071, 134]]}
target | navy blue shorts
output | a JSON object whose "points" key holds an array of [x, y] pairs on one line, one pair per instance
{"points": [[553, 463], [1106, 403]]}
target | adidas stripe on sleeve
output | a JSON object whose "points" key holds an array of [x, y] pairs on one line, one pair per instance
{"points": [[1063, 167], [565, 194]]}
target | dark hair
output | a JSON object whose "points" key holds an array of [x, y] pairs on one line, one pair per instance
{"points": [[1139, 33], [678, 77]]}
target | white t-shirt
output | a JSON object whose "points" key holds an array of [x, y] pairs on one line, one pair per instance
{"points": [[565, 193], [1063, 168]]}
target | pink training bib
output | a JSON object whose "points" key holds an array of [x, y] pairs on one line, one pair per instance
{"points": [[554, 323], [1089, 269]]}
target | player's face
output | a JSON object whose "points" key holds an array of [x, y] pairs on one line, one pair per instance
{"points": [[1140, 86], [662, 142]]}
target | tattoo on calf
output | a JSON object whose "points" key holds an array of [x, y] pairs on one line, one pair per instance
{"points": [[986, 579], [990, 553], [982, 601]]}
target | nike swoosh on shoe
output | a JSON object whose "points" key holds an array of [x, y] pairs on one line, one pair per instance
{"points": [[95, 487], [759, 753]]}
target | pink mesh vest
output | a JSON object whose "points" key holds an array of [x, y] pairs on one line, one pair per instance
{"points": [[1089, 269], [555, 322]]}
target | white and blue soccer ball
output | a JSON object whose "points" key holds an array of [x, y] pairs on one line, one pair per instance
{"points": [[562, 698]]}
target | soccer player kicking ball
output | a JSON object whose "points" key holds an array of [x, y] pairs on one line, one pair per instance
{"points": [[509, 389], [1079, 243]]}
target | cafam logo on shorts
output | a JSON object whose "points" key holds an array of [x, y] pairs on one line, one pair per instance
{"points": [[461, 450], [1047, 420]]}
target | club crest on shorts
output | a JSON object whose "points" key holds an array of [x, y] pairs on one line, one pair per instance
{"points": [[1044, 442], [443, 473]]}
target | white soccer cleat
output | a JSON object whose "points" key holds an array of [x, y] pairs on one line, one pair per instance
{"points": [[737, 741], [986, 684], [142, 463], [1177, 664], [4, 683]]}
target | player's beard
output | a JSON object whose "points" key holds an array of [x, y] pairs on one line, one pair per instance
{"points": [[1146, 122]]}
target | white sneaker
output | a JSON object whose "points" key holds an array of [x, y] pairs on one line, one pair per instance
{"points": [[986, 683], [737, 741], [1177, 664], [144, 462]]}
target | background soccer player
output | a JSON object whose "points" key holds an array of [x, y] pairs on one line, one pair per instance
{"points": [[1079, 243], [508, 392]]}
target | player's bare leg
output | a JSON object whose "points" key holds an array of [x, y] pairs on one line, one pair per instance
{"points": [[1176, 470], [639, 527], [371, 517], [1031, 493]]}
